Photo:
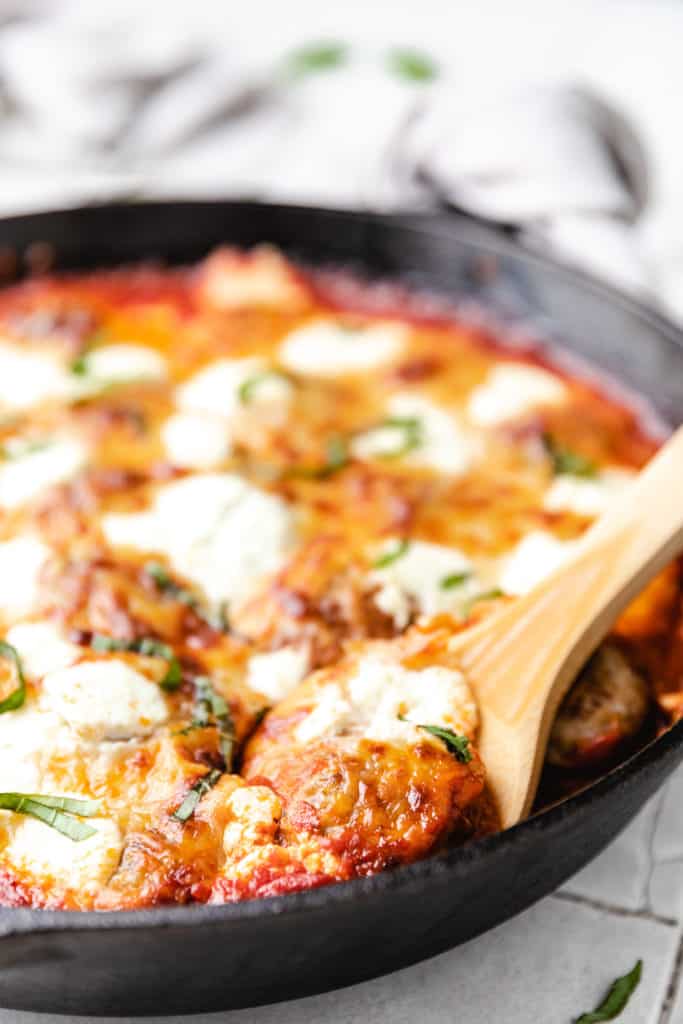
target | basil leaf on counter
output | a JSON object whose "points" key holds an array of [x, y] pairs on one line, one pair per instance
{"points": [[316, 57], [616, 999], [17, 697], [56, 811], [413, 65]]}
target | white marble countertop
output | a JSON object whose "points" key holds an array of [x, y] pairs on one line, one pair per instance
{"points": [[556, 960]]}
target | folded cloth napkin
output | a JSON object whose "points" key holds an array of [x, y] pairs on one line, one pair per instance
{"points": [[94, 109]]}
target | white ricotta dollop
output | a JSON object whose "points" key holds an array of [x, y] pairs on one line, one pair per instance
{"points": [[30, 738], [587, 496], [25, 476], [220, 532], [276, 673], [123, 361], [28, 377], [424, 577], [41, 647], [216, 389], [381, 693], [105, 700], [47, 855], [21, 561], [536, 556], [194, 441], [512, 390], [433, 437], [325, 348]]}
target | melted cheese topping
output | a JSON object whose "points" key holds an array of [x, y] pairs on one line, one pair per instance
{"points": [[233, 488]]}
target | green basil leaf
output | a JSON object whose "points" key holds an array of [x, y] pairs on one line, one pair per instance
{"points": [[17, 697], [389, 557], [616, 999], [55, 811], [247, 389], [568, 462], [412, 64], [316, 57], [192, 798], [486, 595], [455, 579], [411, 429], [146, 646], [337, 458], [457, 745]]}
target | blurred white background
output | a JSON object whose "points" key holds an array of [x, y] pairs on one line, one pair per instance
{"points": [[123, 99]]}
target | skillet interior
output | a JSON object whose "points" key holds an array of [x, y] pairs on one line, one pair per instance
{"points": [[173, 960]]}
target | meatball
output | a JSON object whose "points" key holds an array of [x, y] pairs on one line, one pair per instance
{"points": [[604, 710]]}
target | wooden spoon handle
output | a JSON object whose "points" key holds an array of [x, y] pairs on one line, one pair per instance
{"points": [[522, 661]]}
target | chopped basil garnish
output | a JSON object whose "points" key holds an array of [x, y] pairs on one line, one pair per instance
{"points": [[412, 64], [316, 57], [616, 999], [220, 618], [248, 388], [19, 451], [393, 555], [486, 595], [79, 365], [146, 646], [210, 705], [258, 717], [568, 462], [56, 811], [411, 429], [18, 695], [455, 579], [200, 789], [168, 585], [459, 746], [337, 458]]}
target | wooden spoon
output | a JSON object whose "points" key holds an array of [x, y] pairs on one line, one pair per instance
{"points": [[521, 661]]}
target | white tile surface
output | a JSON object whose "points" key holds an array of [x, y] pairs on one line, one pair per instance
{"points": [[621, 876]]}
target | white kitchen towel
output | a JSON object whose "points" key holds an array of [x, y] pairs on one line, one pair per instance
{"points": [[96, 108]]}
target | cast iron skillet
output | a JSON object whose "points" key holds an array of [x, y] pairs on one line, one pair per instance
{"points": [[184, 959]]}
